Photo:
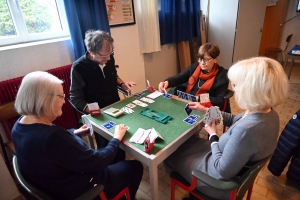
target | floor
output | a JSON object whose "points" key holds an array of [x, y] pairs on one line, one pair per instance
{"points": [[266, 185]]}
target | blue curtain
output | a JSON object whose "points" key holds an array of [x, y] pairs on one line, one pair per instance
{"points": [[179, 20], [83, 15]]}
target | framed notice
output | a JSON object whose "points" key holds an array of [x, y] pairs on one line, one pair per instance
{"points": [[120, 12]]}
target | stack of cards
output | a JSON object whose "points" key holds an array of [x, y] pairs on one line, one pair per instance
{"points": [[204, 98], [148, 100], [139, 103], [191, 120], [213, 113], [186, 96], [87, 123]]}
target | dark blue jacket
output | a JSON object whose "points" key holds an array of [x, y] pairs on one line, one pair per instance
{"points": [[288, 147]]}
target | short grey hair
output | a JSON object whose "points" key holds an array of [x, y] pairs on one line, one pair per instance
{"points": [[37, 93], [94, 40], [260, 83]]}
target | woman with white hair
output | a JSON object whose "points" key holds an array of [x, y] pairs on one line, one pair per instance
{"points": [[260, 84], [58, 161]]}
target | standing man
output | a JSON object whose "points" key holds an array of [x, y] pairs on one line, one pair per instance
{"points": [[94, 77]]}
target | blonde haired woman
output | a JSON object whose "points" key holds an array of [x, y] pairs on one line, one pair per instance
{"points": [[260, 84]]}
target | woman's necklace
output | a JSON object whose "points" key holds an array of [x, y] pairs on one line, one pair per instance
{"points": [[199, 83]]}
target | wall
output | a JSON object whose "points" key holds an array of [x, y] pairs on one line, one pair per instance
{"points": [[292, 26]]}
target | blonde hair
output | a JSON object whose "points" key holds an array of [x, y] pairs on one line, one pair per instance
{"points": [[37, 93], [260, 83]]}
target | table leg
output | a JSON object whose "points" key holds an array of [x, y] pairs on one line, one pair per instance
{"points": [[90, 142], [291, 68], [153, 175]]}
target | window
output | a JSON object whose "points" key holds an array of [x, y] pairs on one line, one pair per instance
{"points": [[31, 20]]}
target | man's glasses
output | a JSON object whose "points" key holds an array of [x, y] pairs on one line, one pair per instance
{"points": [[61, 96], [205, 60], [112, 53]]}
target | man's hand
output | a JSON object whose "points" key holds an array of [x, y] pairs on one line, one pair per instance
{"points": [[128, 85], [162, 86]]}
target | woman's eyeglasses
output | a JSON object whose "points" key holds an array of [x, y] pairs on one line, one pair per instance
{"points": [[205, 60], [61, 96]]}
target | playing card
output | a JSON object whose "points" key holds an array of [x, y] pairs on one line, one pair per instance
{"points": [[108, 126], [147, 100], [139, 103], [190, 121], [193, 98], [179, 94], [213, 113], [130, 105], [204, 97], [127, 110], [194, 117], [112, 123], [167, 96], [87, 123], [187, 109]]}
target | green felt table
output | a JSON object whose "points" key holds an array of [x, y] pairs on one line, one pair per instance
{"points": [[169, 131]]}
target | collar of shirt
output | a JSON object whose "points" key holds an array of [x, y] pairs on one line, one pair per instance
{"points": [[101, 67]]}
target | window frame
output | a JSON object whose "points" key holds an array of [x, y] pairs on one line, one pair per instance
{"points": [[22, 36]]}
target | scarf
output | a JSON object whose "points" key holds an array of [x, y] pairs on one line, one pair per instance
{"points": [[209, 77]]}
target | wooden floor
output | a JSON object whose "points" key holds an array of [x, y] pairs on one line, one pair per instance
{"points": [[266, 185]]}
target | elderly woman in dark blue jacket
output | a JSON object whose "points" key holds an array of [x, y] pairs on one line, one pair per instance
{"points": [[288, 147], [57, 160]]}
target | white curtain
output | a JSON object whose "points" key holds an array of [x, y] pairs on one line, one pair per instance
{"points": [[148, 23]]}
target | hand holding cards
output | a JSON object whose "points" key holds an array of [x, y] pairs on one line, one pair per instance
{"points": [[87, 122], [213, 113]]}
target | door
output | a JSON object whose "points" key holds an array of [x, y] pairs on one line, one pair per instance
{"points": [[250, 22]]}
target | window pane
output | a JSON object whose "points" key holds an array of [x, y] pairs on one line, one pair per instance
{"points": [[7, 27], [40, 15]]}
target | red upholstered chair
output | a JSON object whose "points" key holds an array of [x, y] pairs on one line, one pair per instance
{"points": [[238, 185]]}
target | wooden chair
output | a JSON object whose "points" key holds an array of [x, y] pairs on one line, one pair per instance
{"points": [[40, 195], [275, 50], [7, 112], [237, 186]]}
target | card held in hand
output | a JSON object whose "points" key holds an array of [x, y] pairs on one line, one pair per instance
{"points": [[88, 124], [213, 113]]}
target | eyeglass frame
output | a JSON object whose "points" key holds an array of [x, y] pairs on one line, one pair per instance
{"points": [[205, 60], [113, 51], [63, 96]]}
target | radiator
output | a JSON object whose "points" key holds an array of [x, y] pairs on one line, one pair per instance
{"points": [[9, 89]]}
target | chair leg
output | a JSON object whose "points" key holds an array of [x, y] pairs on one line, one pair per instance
{"points": [[233, 194], [173, 189], [125, 192], [249, 192]]}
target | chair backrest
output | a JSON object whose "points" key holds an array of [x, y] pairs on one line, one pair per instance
{"points": [[8, 116], [288, 40], [28, 186], [248, 175]]}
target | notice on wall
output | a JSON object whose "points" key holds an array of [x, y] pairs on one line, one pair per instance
{"points": [[120, 12]]}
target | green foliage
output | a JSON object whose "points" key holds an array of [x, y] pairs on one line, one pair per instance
{"points": [[36, 14]]}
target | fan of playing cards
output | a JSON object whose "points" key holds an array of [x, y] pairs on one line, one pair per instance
{"points": [[213, 113]]}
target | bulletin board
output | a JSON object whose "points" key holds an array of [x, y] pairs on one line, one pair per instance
{"points": [[120, 12]]}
